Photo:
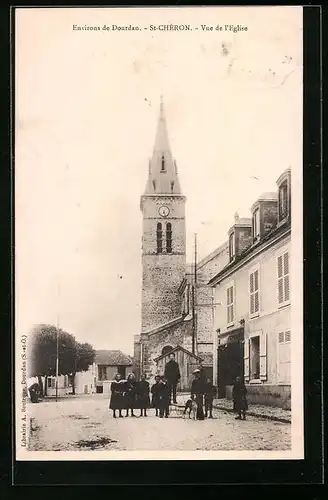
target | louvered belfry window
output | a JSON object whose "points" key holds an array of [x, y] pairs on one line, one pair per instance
{"points": [[168, 237], [283, 279], [159, 238], [254, 291]]}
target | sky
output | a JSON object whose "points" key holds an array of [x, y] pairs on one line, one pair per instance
{"points": [[87, 105]]}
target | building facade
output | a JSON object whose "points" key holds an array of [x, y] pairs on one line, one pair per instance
{"points": [[253, 323], [107, 364]]}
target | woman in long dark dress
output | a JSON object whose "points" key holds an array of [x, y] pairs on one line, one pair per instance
{"points": [[130, 394], [116, 398], [239, 393], [143, 395], [155, 391]]}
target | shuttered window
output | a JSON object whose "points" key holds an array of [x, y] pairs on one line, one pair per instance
{"points": [[254, 290], [230, 305], [284, 357], [283, 278]]}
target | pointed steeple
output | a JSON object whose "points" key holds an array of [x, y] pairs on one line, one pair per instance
{"points": [[163, 174]]}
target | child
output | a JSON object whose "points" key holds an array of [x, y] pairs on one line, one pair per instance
{"points": [[155, 394], [164, 398], [116, 398], [210, 392], [239, 393], [143, 395], [130, 394]]}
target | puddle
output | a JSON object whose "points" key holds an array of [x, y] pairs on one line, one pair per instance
{"points": [[94, 443]]}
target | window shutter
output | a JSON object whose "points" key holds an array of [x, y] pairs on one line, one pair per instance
{"points": [[286, 287], [280, 266], [246, 360], [263, 356], [280, 280], [256, 301], [251, 283], [286, 263], [252, 304], [287, 336]]}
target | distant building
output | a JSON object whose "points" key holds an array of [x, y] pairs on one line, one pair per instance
{"points": [[253, 322], [84, 382], [107, 364]]}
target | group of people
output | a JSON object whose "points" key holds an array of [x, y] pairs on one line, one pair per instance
{"points": [[131, 395]]}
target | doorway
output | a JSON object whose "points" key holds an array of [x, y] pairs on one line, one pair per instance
{"points": [[230, 365], [122, 371]]}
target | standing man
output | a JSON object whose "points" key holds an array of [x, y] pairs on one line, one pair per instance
{"points": [[202, 374], [172, 375], [197, 393]]}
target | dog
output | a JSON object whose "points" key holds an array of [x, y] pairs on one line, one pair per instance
{"points": [[191, 408]]}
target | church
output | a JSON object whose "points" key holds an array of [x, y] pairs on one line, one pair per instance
{"points": [[177, 305]]}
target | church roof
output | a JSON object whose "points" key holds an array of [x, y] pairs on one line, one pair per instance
{"points": [[112, 358], [163, 174], [169, 324], [178, 348]]}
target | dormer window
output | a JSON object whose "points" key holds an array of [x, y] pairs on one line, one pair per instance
{"points": [[256, 224], [232, 250], [283, 200], [163, 164]]}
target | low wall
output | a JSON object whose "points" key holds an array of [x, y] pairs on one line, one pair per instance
{"points": [[270, 395]]}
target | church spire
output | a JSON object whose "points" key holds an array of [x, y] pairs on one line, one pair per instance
{"points": [[163, 175]]}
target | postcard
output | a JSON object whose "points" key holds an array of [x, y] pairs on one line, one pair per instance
{"points": [[158, 233]]}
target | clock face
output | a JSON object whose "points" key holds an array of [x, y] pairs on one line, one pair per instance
{"points": [[163, 211]]}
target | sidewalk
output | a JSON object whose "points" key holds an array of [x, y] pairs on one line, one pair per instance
{"points": [[260, 411]]}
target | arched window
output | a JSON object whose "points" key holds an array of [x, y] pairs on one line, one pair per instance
{"points": [[167, 349], [172, 186], [163, 163], [159, 238], [168, 237]]}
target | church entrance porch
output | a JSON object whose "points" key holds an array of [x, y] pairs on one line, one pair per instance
{"points": [[187, 362], [230, 362]]}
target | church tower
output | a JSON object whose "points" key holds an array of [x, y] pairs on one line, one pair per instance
{"points": [[164, 235]]}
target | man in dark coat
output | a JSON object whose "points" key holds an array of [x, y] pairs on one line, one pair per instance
{"points": [[34, 391], [172, 375], [197, 393], [239, 393]]}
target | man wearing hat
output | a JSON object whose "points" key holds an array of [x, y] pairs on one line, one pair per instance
{"points": [[197, 393], [172, 375]]}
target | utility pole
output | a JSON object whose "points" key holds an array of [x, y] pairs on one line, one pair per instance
{"points": [[57, 347], [194, 327]]}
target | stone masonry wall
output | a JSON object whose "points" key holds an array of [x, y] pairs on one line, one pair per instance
{"points": [[152, 345]]}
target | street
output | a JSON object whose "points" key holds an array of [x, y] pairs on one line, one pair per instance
{"points": [[85, 423]]}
